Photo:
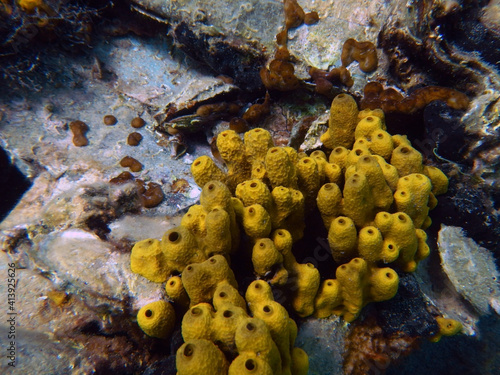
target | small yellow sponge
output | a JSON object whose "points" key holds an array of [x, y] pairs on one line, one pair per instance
{"points": [[447, 327], [157, 319]]}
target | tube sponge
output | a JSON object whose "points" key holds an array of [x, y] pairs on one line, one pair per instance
{"points": [[309, 180], [212, 271], [329, 202], [412, 197], [342, 122], [447, 327], [200, 357], [204, 170], [180, 248], [406, 160], [380, 190], [157, 319], [224, 325], [300, 362], [257, 142], [256, 221], [197, 322], [254, 192], [249, 363], [438, 179], [148, 260], [218, 237], [399, 232], [280, 169], [253, 336], [265, 256], [343, 239], [358, 203], [176, 292], [225, 294], [276, 318], [329, 296], [361, 284]]}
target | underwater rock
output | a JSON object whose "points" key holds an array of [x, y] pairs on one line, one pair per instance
{"points": [[323, 340], [470, 268], [407, 311]]}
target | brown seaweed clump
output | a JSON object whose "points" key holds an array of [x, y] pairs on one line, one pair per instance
{"points": [[122, 178], [281, 73], [109, 120], [130, 162], [134, 139], [257, 111], [137, 122], [364, 53], [151, 193], [79, 130], [325, 80], [390, 100]]}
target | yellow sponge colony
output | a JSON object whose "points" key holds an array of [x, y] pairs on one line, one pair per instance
{"points": [[357, 212], [374, 196], [447, 327]]}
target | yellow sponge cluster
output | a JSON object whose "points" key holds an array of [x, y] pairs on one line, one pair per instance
{"points": [[273, 184], [356, 285], [262, 344], [274, 255], [382, 174], [374, 196], [207, 229]]}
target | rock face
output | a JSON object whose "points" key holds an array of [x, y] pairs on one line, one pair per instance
{"points": [[471, 269], [70, 235]]}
